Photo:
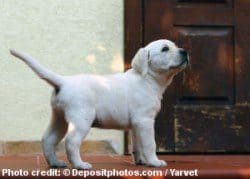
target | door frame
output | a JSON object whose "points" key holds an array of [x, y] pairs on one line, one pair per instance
{"points": [[133, 40]]}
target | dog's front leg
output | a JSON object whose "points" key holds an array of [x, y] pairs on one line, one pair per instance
{"points": [[146, 137], [137, 153]]}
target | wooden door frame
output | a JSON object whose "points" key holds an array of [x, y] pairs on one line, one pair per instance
{"points": [[133, 40]]}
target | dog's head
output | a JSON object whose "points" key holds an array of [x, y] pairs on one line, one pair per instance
{"points": [[160, 57]]}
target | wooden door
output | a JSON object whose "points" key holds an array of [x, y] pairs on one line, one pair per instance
{"points": [[207, 107]]}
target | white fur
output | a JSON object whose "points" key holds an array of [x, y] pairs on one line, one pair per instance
{"points": [[129, 100]]}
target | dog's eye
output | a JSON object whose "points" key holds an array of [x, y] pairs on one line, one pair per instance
{"points": [[165, 49]]}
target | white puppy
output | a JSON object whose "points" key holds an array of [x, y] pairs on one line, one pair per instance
{"points": [[129, 100]]}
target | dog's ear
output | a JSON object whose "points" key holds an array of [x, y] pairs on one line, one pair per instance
{"points": [[140, 61]]}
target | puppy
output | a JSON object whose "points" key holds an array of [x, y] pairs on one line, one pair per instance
{"points": [[129, 100]]}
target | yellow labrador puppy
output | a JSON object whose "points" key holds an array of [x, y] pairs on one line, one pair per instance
{"points": [[129, 100]]}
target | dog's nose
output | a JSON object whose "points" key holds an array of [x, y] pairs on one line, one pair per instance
{"points": [[183, 53]]}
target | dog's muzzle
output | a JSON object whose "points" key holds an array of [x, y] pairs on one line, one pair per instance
{"points": [[184, 56], [184, 59]]}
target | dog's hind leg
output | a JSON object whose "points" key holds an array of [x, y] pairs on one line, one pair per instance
{"points": [[80, 123], [55, 132]]}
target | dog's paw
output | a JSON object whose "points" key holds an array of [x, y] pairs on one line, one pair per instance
{"points": [[140, 162], [83, 166], [58, 164], [163, 163], [158, 163]]}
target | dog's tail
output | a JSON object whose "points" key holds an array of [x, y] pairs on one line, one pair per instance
{"points": [[45, 74]]}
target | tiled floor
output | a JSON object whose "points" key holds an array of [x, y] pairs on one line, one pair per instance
{"points": [[208, 166]]}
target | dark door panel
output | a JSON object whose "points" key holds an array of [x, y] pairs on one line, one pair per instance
{"points": [[210, 77], [212, 129]]}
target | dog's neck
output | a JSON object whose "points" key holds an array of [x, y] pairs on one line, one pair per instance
{"points": [[159, 81]]}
